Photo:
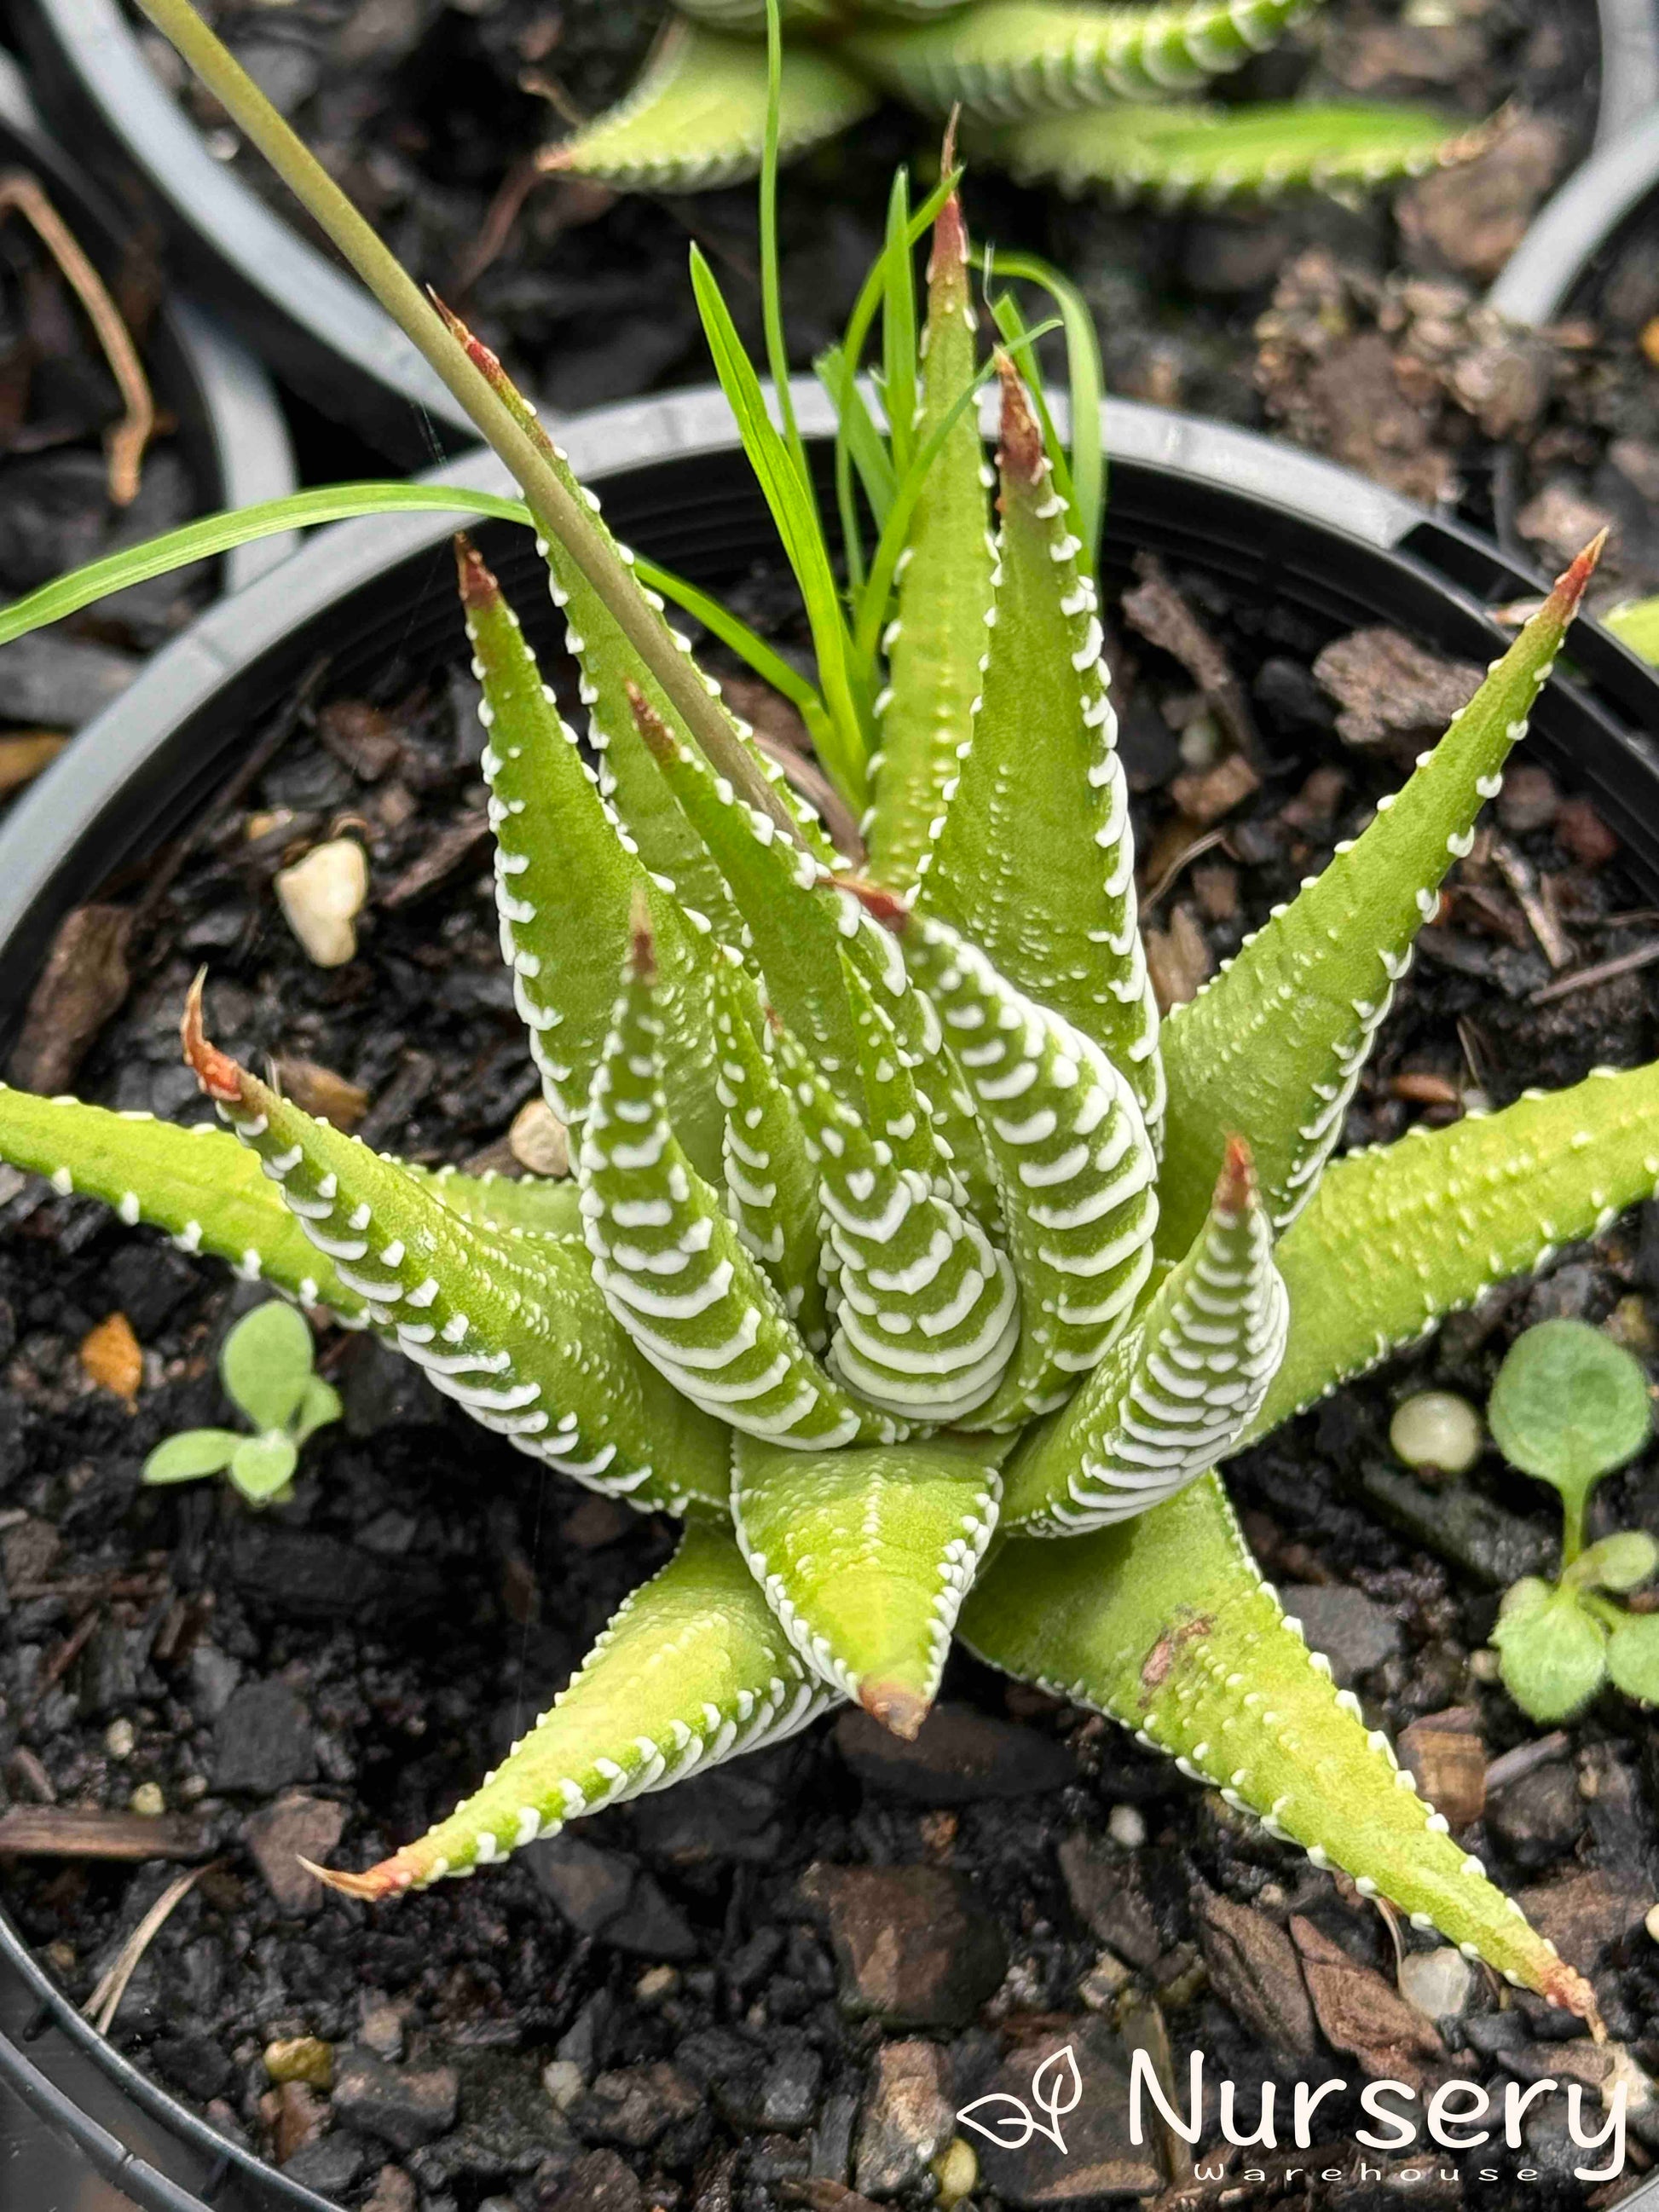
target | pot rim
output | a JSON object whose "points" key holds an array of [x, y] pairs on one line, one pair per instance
{"points": [[1433, 567], [315, 321], [231, 423]]}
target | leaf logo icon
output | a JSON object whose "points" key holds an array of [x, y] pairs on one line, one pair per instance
{"points": [[1010, 2122]]}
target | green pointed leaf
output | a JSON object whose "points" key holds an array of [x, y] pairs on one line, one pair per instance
{"points": [[938, 638], [188, 1456], [266, 1363], [697, 116], [196, 1183], [514, 1330], [541, 1206], [1074, 1167], [1369, 1265], [771, 1186], [1569, 1405], [693, 1670], [319, 1408], [1035, 861], [866, 1556], [1552, 1656], [1164, 1623], [673, 1269], [1028, 57], [262, 1467], [1175, 1392], [1275, 1043], [1633, 1657], [566, 880], [1174, 151]]}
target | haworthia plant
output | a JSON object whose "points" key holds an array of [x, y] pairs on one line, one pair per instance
{"points": [[904, 1257], [1056, 90]]}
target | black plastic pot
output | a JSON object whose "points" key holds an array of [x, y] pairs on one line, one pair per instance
{"points": [[317, 328], [1276, 526], [230, 428]]}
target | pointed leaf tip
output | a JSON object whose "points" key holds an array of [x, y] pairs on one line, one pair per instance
{"points": [[642, 939], [1573, 582], [478, 587], [215, 1071], [1019, 450], [950, 233], [370, 1886], [898, 1708], [1237, 1178], [887, 907]]}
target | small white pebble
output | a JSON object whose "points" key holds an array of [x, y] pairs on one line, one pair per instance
{"points": [[538, 1140], [321, 895], [119, 1739], [1437, 1428], [657, 1983], [146, 1799], [564, 2082], [1125, 1826], [1652, 1921]]}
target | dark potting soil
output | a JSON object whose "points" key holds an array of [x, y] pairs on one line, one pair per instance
{"points": [[429, 114], [58, 402], [773, 1985]]}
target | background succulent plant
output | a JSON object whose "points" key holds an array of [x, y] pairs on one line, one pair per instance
{"points": [[908, 1258], [1056, 90]]}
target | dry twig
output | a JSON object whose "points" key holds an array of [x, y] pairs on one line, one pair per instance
{"points": [[124, 444], [100, 2007]]}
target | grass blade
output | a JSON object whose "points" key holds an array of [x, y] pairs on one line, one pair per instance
{"points": [[898, 326], [1088, 386], [220, 533]]}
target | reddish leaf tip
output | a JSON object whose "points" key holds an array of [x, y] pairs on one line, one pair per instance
{"points": [[1571, 584], [378, 1883], [641, 937], [658, 737], [1019, 451], [897, 1708], [1236, 1181], [478, 587], [883, 906], [215, 1071]]}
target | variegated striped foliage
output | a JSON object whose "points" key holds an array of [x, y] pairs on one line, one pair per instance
{"points": [[907, 1257], [1061, 91]]}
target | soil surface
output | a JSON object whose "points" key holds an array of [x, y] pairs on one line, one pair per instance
{"points": [[775, 1984], [58, 402]]}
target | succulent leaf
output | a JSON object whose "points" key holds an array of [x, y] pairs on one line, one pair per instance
{"points": [[692, 1669], [1163, 1622], [1398, 1236], [937, 641], [516, 1332], [926, 1315], [1074, 1165], [1035, 858], [771, 1185], [196, 1183], [1028, 57], [865, 1556], [1275, 1042], [541, 1206], [672, 1267], [1174, 1393], [566, 878], [697, 116], [1175, 151]]}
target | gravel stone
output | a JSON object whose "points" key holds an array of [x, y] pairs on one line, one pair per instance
{"points": [[264, 1740], [913, 1946], [960, 1757], [908, 2116], [402, 2106], [1352, 1629]]}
